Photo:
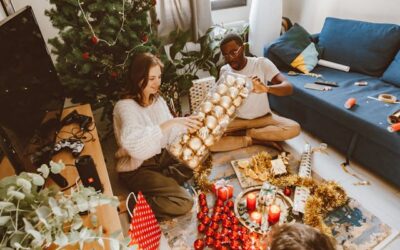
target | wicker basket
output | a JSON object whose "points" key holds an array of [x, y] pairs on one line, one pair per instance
{"points": [[199, 91]]}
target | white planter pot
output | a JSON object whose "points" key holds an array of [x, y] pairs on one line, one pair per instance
{"points": [[265, 24]]}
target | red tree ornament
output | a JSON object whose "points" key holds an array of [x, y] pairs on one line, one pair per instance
{"points": [[287, 191], [114, 74], [144, 38], [94, 40], [86, 55]]}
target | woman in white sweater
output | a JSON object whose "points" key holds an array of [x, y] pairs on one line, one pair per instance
{"points": [[143, 126]]}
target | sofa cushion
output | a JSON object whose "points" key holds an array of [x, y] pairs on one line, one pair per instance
{"points": [[366, 47], [392, 73], [296, 49]]}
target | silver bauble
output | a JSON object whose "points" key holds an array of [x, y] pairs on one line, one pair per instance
{"points": [[206, 107], [195, 143], [225, 101], [222, 89], [211, 122]]}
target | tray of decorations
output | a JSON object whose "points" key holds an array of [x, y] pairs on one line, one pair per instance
{"points": [[216, 112], [258, 208]]}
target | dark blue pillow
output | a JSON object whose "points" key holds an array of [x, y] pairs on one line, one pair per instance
{"points": [[295, 49], [392, 73], [366, 47]]}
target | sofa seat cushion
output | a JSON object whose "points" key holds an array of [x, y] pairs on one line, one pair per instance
{"points": [[366, 47], [368, 117], [392, 73]]}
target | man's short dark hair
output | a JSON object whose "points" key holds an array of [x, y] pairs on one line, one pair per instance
{"points": [[231, 37]]}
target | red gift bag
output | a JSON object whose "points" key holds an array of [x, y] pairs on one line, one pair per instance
{"points": [[144, 229]]}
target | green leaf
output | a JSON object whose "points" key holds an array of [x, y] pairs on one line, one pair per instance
{"points": [[25, 184], [43, 213], [56, 167], [16, 194], [61, 239], [30, 230], [4, 220], [6, 204], [114, 244]]}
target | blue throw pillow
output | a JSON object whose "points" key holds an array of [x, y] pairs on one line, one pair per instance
{"points": [[295, 49], [366, 47], [392, 73]]}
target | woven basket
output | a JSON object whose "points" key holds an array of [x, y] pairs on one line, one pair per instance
{"points": [[199, 91]]}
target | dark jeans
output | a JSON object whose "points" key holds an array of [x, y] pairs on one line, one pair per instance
{"points": [[160, 183]]}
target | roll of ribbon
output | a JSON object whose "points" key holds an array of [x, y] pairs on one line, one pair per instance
{"points": [[350, 103], [387, 98], [395, 117], [394, 127], [333, 65]]}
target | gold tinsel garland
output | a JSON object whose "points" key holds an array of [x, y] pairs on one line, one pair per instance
{"points": [[325, 195]]}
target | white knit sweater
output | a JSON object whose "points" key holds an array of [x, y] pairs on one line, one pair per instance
{"points": [[138, 133]]}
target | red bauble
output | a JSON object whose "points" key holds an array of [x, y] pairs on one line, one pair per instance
{"points": [[226, 223], [214, 225], [243, 230], [226, 209], [198, 244], [217, 235], [225, 240], [215, 217], [94, 40], [236, 228], [287, 191], [200, 215], [235, 244], [209, 241], [234, 235], [203, 202], [235, 221], [223, 217], [202, 196], [217, 209], [144, 38], [225, 231], [210, 232], [217, 244], [201, 227], [204, 209], [229, 204], [219, 203], [231, 214], [86, 55], [114, 74], [206, 220], [244, 237]]}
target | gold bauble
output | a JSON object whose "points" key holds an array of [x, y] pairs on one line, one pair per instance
{"points": [[237, 101], [231, 110], [201, 116], [206, 107], [222, 89], [218, 111], [209, 141], [211, 122], [187, 154], [215, 97], [194, 162], [195, 143], [217, 131], [244, 92], [176, 149], [225, 101], [185, 139], [230, 80], [224, 121], [203, 133], [233, 92], [202, 151], [240, 82]]}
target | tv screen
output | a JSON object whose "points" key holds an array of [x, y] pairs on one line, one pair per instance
{"points": [[31, 97]]}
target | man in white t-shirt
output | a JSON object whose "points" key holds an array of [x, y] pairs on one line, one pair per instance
{"points": [[254, 122]]}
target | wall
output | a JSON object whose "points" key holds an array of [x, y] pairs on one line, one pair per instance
{"points": [[39, 6], [231, 15], [312, 13]]}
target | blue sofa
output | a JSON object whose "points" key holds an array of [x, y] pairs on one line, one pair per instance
{"points": [[361, 133]]}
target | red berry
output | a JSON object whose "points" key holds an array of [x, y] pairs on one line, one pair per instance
{"points": [[202, 196], [287, 191], [114, 74], [198, 244], [201, 227]]}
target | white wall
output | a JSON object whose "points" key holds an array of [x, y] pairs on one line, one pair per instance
{"points": [[231, 15], [311, 14], [39, 6]]}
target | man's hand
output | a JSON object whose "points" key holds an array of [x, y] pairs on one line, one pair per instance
{"points": [[258, 86]]}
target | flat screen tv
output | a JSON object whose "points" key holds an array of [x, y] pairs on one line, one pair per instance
{"points": [[31, 96]]}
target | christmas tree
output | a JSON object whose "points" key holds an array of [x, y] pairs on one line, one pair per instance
{"points": [[96, 40]]}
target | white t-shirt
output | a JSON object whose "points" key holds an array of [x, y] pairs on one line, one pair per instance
{"points": [[256, 105]]}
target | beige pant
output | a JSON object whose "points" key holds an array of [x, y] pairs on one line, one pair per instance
{"points": [[270, 127]]}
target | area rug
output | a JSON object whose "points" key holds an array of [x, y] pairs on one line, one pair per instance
{"points": [[353, 226]]}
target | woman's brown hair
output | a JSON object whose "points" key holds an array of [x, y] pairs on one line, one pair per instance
{"points": [[299, 237], [138, 76]]}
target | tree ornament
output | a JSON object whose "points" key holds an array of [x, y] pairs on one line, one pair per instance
{"points": [[86, 55], [94, 40], [114, 74], [287, 191], [144, 38]]}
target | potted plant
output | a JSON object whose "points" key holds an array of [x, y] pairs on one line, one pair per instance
{"points": [[34, 216]]}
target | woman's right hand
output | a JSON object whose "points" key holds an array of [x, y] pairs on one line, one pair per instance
{"points": [[192, 123]]}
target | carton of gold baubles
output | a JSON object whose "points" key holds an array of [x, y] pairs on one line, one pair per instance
{"points": [[216, 112]]}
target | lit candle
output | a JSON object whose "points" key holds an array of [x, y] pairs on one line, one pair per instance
{"points": [[251, 202], [256, 217], [273, 214]]}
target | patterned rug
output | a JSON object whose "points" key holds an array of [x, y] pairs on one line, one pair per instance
{"points": [[353, 226]]}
